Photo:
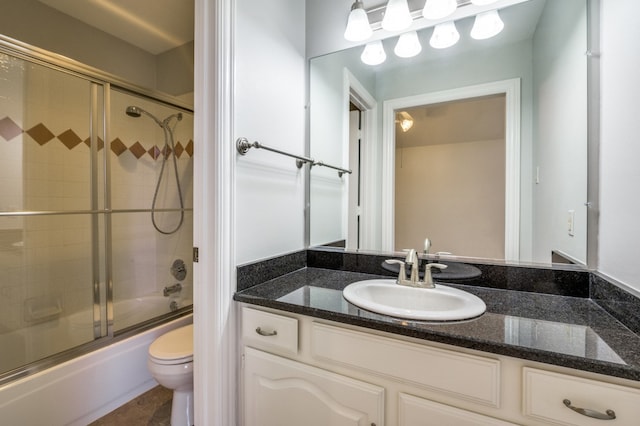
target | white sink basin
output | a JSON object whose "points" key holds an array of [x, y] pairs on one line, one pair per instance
{"points": [[442, 303]]}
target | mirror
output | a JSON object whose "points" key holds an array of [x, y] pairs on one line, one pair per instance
{"points": [[536, 66]]}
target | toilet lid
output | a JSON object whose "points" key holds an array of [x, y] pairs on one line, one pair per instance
{"points": [[176, 345]]}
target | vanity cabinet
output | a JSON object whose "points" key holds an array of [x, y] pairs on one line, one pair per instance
{"points": [[299, 370], [414, 411], [281, 392]]}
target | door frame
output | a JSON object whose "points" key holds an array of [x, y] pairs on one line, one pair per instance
{"points": [[511, 89]]}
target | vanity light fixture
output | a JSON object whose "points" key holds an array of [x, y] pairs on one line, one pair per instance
{"points": [[408, 45], [438, 9], [486, 25], [397, 16], [405, 121], [373, 53], [358, 27], [444, 35]]}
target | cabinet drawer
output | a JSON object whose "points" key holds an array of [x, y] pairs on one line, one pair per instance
{"points": [[545, 392], [269, 331], [464, 376], [414, 411]]}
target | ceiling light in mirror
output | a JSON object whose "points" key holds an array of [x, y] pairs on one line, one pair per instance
{"points": [[373, 53], [438, 9], [408, 45], [358, 27], [405, 120], [397, 16], [444, 35], [487, 25]]}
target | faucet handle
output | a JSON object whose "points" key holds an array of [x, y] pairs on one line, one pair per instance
{"points": [[428, 278], [402, 275]]}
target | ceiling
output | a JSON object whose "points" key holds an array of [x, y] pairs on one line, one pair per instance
{"points": [[152, 25], [467, 120]]}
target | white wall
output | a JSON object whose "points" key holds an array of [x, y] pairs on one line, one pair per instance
{"points": [[560, 130], [434, 194], [328, 124], [270, 108], [619, 232]]}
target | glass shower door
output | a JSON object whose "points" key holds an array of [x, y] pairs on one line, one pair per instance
{"points": [[51, 268]]}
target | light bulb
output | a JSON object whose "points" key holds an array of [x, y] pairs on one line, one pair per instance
{"points": [[482, 2], [396, 16], [438, 9], [405, 121], [408, 45], [444, 35], [373, 53], [358, 27], [486, 25]]}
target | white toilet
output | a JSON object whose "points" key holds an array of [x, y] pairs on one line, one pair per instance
{"points": [[171, 364]]}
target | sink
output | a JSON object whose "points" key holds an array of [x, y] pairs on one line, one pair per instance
{"points": [[442, 303]]}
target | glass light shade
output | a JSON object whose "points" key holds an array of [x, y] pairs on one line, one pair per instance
{"points": [[396, 16], [482, 2], [444, 35], [358, 27], [438, 9], [405, 121], [373, 53], [487, 25], [408, 45]]}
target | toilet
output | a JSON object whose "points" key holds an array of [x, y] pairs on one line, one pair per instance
{"points": [[171, 364]]}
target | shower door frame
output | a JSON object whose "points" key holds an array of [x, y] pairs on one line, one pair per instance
{"points": [[103, 316]]}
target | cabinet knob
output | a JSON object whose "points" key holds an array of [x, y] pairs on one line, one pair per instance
{"points": [[608, 415], [266, 333]]}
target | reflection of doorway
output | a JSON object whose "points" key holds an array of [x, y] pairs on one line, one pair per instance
{"points": [[511, 188], [449, 162], [360, 209], [353, 198]]}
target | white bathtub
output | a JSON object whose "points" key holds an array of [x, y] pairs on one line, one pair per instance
{"points": [[85, 388], [46, 338]]}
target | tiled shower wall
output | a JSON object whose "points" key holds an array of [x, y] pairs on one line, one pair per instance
{"points": [[45, 260]]}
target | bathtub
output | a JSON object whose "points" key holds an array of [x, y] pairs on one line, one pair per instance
{"points": [[82, 389], [46, 338]]}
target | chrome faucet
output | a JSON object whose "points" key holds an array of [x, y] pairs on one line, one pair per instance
{"points": [[170, 289], [413, 261]]}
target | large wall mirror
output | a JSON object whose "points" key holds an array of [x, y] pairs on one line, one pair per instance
{"points": [[480, 147]]}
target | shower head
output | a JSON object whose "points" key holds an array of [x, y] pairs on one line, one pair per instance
{"points": [[136, 111], [133, 111]]}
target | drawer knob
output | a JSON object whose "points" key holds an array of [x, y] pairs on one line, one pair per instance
{"points": [[608, 415], [266, 333]]}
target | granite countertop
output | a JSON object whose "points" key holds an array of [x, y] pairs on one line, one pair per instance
{"points": [[566, 331]]}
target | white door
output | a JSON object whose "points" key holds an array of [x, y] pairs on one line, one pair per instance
{"points": [[281, 392]]}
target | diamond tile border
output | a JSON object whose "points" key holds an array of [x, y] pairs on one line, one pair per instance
{"points": [[42, 135]]}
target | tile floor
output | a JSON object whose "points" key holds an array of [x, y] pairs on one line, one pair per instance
{"points": [[152, 408]]}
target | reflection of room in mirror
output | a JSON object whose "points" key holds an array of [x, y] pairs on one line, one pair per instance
{"points": [[542, 49], [449, 163]]}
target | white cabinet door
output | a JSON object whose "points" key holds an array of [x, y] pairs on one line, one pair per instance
{"points": [[414, 411], [281, 392]]}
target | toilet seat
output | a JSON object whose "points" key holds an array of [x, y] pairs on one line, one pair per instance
{"points": [[174, 347]]}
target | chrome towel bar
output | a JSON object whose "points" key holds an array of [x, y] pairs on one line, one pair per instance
{"points": [[243, 145]]}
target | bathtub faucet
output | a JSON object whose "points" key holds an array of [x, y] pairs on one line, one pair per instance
{"points": [[170, 289]]}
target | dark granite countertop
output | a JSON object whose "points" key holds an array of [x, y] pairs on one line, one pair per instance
{"points": [[566, 331]]}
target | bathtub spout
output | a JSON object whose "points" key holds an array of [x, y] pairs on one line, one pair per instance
{"points": [[170, 289]]}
